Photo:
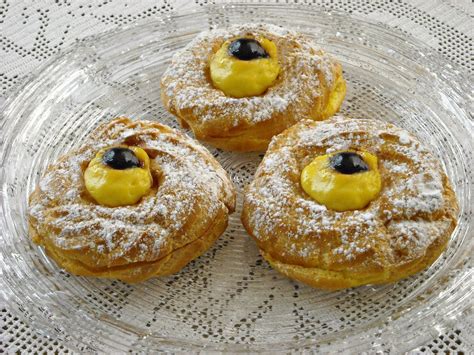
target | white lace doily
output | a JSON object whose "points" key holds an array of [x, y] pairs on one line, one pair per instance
{"points": [[32, 32]]}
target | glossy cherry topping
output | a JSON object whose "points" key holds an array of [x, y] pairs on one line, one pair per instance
{"points": [[247, 49], [348, 163], [120, 158]]}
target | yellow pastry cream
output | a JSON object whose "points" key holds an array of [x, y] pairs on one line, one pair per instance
{"points": [[336, 96], [342, 181], [245, 66], [118, 176]]}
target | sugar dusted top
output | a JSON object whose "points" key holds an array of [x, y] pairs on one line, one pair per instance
{"points": [[188, 182], [186, 82], [411, 213]]}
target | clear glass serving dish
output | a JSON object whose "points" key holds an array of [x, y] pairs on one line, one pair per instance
{"points": [[230, 299]]}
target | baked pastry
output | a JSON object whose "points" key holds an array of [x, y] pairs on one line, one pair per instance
{"points": [[238, 87], [137, 200], [347, 202]]}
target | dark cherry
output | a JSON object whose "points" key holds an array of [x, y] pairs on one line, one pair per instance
{"points": [[120, 158], [348, 163], [247, 49]]}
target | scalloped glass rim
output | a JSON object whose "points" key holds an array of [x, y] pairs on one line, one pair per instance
{"points": [[435, 305]]}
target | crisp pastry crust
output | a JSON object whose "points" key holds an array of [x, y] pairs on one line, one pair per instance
{"points": [[185, 211], [310, 85], [401, 232]]}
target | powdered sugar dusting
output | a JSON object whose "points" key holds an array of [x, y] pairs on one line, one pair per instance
{"points": [[412, 191], [413, 236], [189, 180], [192, 95], [404, 138]]}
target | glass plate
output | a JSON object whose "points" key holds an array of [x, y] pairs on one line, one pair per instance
{"points": [[230, 299]]}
